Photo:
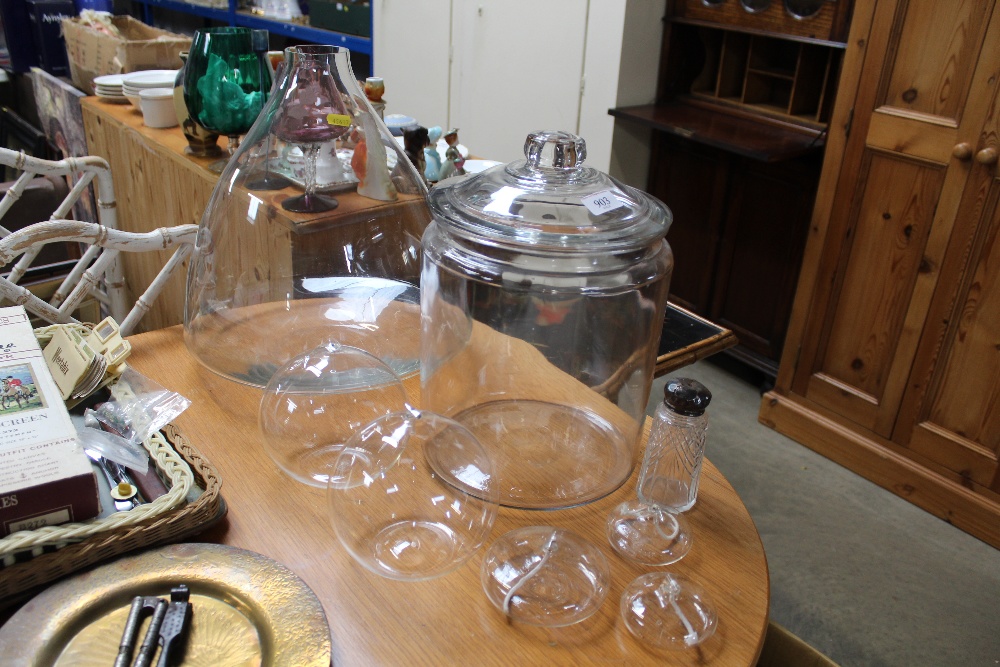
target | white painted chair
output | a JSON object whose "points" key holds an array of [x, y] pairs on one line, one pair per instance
{"points": [[108, 243], [98, 272]]}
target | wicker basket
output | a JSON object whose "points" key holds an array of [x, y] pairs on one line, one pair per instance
{"points": [[19, 580]]}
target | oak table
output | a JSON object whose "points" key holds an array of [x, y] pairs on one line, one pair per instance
{"points": [[444, 621]]}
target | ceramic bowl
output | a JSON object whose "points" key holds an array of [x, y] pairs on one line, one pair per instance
{"points": [[157, 106]]}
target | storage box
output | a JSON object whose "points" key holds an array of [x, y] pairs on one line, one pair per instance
{"points": [[45, 478], [93, 53], [342, 17]]}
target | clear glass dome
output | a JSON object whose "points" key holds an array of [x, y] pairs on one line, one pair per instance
{"points": [[413, 495], [317, 402], [544, 288], [328, 251]]}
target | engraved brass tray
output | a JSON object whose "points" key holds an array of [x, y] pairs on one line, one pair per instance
{"points": [[247, 610]]}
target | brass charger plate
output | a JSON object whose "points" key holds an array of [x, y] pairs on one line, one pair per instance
{"points": [[247, 610]]}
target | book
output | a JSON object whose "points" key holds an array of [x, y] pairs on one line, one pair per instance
{"points": [[45, 477], [46, 17]]}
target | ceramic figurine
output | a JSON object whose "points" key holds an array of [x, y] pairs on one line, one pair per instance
{"points": [[369, 164], [453, 160], [432, 158], [415, 140], [374, 90]]}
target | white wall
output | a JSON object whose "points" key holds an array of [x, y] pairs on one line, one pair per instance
{"points": [[412, 42], [498, 69], [639, 68]]}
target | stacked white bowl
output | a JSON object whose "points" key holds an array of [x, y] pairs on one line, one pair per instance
{"points": [[136, 82], [109, 87]]}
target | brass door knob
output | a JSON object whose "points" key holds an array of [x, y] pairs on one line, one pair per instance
{"points": [[987, 156], [962, 151]]}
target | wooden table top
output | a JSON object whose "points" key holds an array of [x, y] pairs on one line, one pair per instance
{"points": [[376, 621]]}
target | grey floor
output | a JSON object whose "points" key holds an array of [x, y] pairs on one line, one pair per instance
{"points": [[858, 573]]}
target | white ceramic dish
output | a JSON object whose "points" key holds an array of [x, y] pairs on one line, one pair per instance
{"points": [[157, 106], [154, 78], [114, 80]]}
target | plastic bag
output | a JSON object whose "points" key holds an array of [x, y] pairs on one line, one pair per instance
{"points": [[139, 407], [110, 446]]}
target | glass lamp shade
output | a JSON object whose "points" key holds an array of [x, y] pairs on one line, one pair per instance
{"points": [[412, 495], [317, 402], [269, 281]]}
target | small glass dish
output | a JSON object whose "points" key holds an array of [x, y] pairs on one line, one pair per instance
{"points": [[317, 401], [545, 576], [413, 495], [669, 612]]}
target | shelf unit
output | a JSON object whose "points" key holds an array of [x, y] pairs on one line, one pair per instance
{"points": [[234, 16], [777, 77]]}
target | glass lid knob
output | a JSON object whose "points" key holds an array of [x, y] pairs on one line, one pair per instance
{"points": [[555, 149]]}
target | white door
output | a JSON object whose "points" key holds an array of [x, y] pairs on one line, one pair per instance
{"points": [[516, 67], [411, 39]]}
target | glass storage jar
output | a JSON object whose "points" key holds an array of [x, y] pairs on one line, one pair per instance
{"points": [[543, 291], [330, 256]]}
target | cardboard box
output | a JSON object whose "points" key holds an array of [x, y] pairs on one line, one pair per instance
{"points": [[342, 17], [93, 53], [45, 478]]}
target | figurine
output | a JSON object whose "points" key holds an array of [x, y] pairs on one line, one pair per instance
{"points": [[369, 163], [432, 158], [415, 140], [453, 160], [374, 90]]}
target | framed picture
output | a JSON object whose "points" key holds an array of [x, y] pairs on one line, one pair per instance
{"points": [[61, 118]]}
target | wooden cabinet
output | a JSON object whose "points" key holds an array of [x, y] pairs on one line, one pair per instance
{"points": [[740, 226], [821, 20], [892, 362], [739, 128]]}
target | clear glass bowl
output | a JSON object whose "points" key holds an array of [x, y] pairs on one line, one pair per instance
{"points": [[318, 401], [546, 576], [413, 495], [274, 275], [666, 611]]}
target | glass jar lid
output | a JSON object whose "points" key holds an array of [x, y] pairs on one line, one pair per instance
{"points": [[550, 201]]}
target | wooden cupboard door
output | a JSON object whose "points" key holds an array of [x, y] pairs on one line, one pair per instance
{"points": [[694, 179], [957, 419], [951, 411], [900, 187]]}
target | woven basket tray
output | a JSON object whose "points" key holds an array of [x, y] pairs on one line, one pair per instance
{"points": [[18, 580]]}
